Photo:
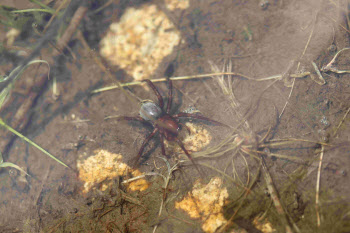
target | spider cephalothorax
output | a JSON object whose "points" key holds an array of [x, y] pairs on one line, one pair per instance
{"points": [[166, 125]]}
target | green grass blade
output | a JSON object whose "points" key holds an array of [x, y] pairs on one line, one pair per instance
{"points": [[8, 164], [4, 94], [30, 142], [6, 91], [25, 67], [42, 5], [34, 10]]}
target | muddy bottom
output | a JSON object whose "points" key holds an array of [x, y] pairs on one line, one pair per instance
{"points": [[268, 144]]}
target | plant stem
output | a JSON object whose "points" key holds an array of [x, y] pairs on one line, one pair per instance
{"points": [[2, 123], [33, 10]]}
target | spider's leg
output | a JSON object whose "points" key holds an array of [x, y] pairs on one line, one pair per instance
{"points": [[128, 118], [189, 156], [147, 139], [170, 96], [160, 98], [185, 126], [162, 145], [189, 115]]}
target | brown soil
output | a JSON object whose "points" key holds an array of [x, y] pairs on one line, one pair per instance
{"points": [[285, 38]]}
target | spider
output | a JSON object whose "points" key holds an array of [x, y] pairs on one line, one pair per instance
{"points": [[166, 125]]}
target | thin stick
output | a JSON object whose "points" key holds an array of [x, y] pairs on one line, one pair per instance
{"points": [[287, 101], [248, 173], [309, 39], [320, 80], [143, 176], [317, 207], [274, 77], [172, 78], [33, 10], [278, 156], [330, 67], [298, 140], [54, 15], [274, 196], [71, 29], [341, 122]]}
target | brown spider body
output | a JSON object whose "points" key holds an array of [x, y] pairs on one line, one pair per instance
{"points": [[164, 124], [168, 127]]}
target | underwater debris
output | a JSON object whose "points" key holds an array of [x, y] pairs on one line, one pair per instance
{"points": [[139, 184], [194, 141], [140, 41], [103, 167], [198, 138], [177, 4], [11, 36], [263, 225], [206, 203]]}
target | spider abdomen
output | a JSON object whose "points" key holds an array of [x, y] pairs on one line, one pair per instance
{"points": [[168, 126], [150, 111]]}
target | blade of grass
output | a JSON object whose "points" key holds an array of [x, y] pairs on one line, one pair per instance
{"points": [[4, 94], [42, 5], [8, 84], [6, 126], [15, 73], [341, 122], [274, 196], [274, 77], [317, 202], [34, 10], [174, 79], [8, 164]]}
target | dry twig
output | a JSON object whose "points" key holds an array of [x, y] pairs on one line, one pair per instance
{"points": [[317, 206], [341, 122]]}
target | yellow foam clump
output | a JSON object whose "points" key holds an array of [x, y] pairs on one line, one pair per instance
{"points": [[103, 167], [197, 139], [177, 4], [206, 203], [140, 41]]}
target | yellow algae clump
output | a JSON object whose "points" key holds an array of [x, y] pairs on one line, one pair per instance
{"points": [[206, 203], [140, 41], [177, 4], [198, 138], [103, 167], [193, 141], [11, 36], [263, 225], [138, 185]]}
